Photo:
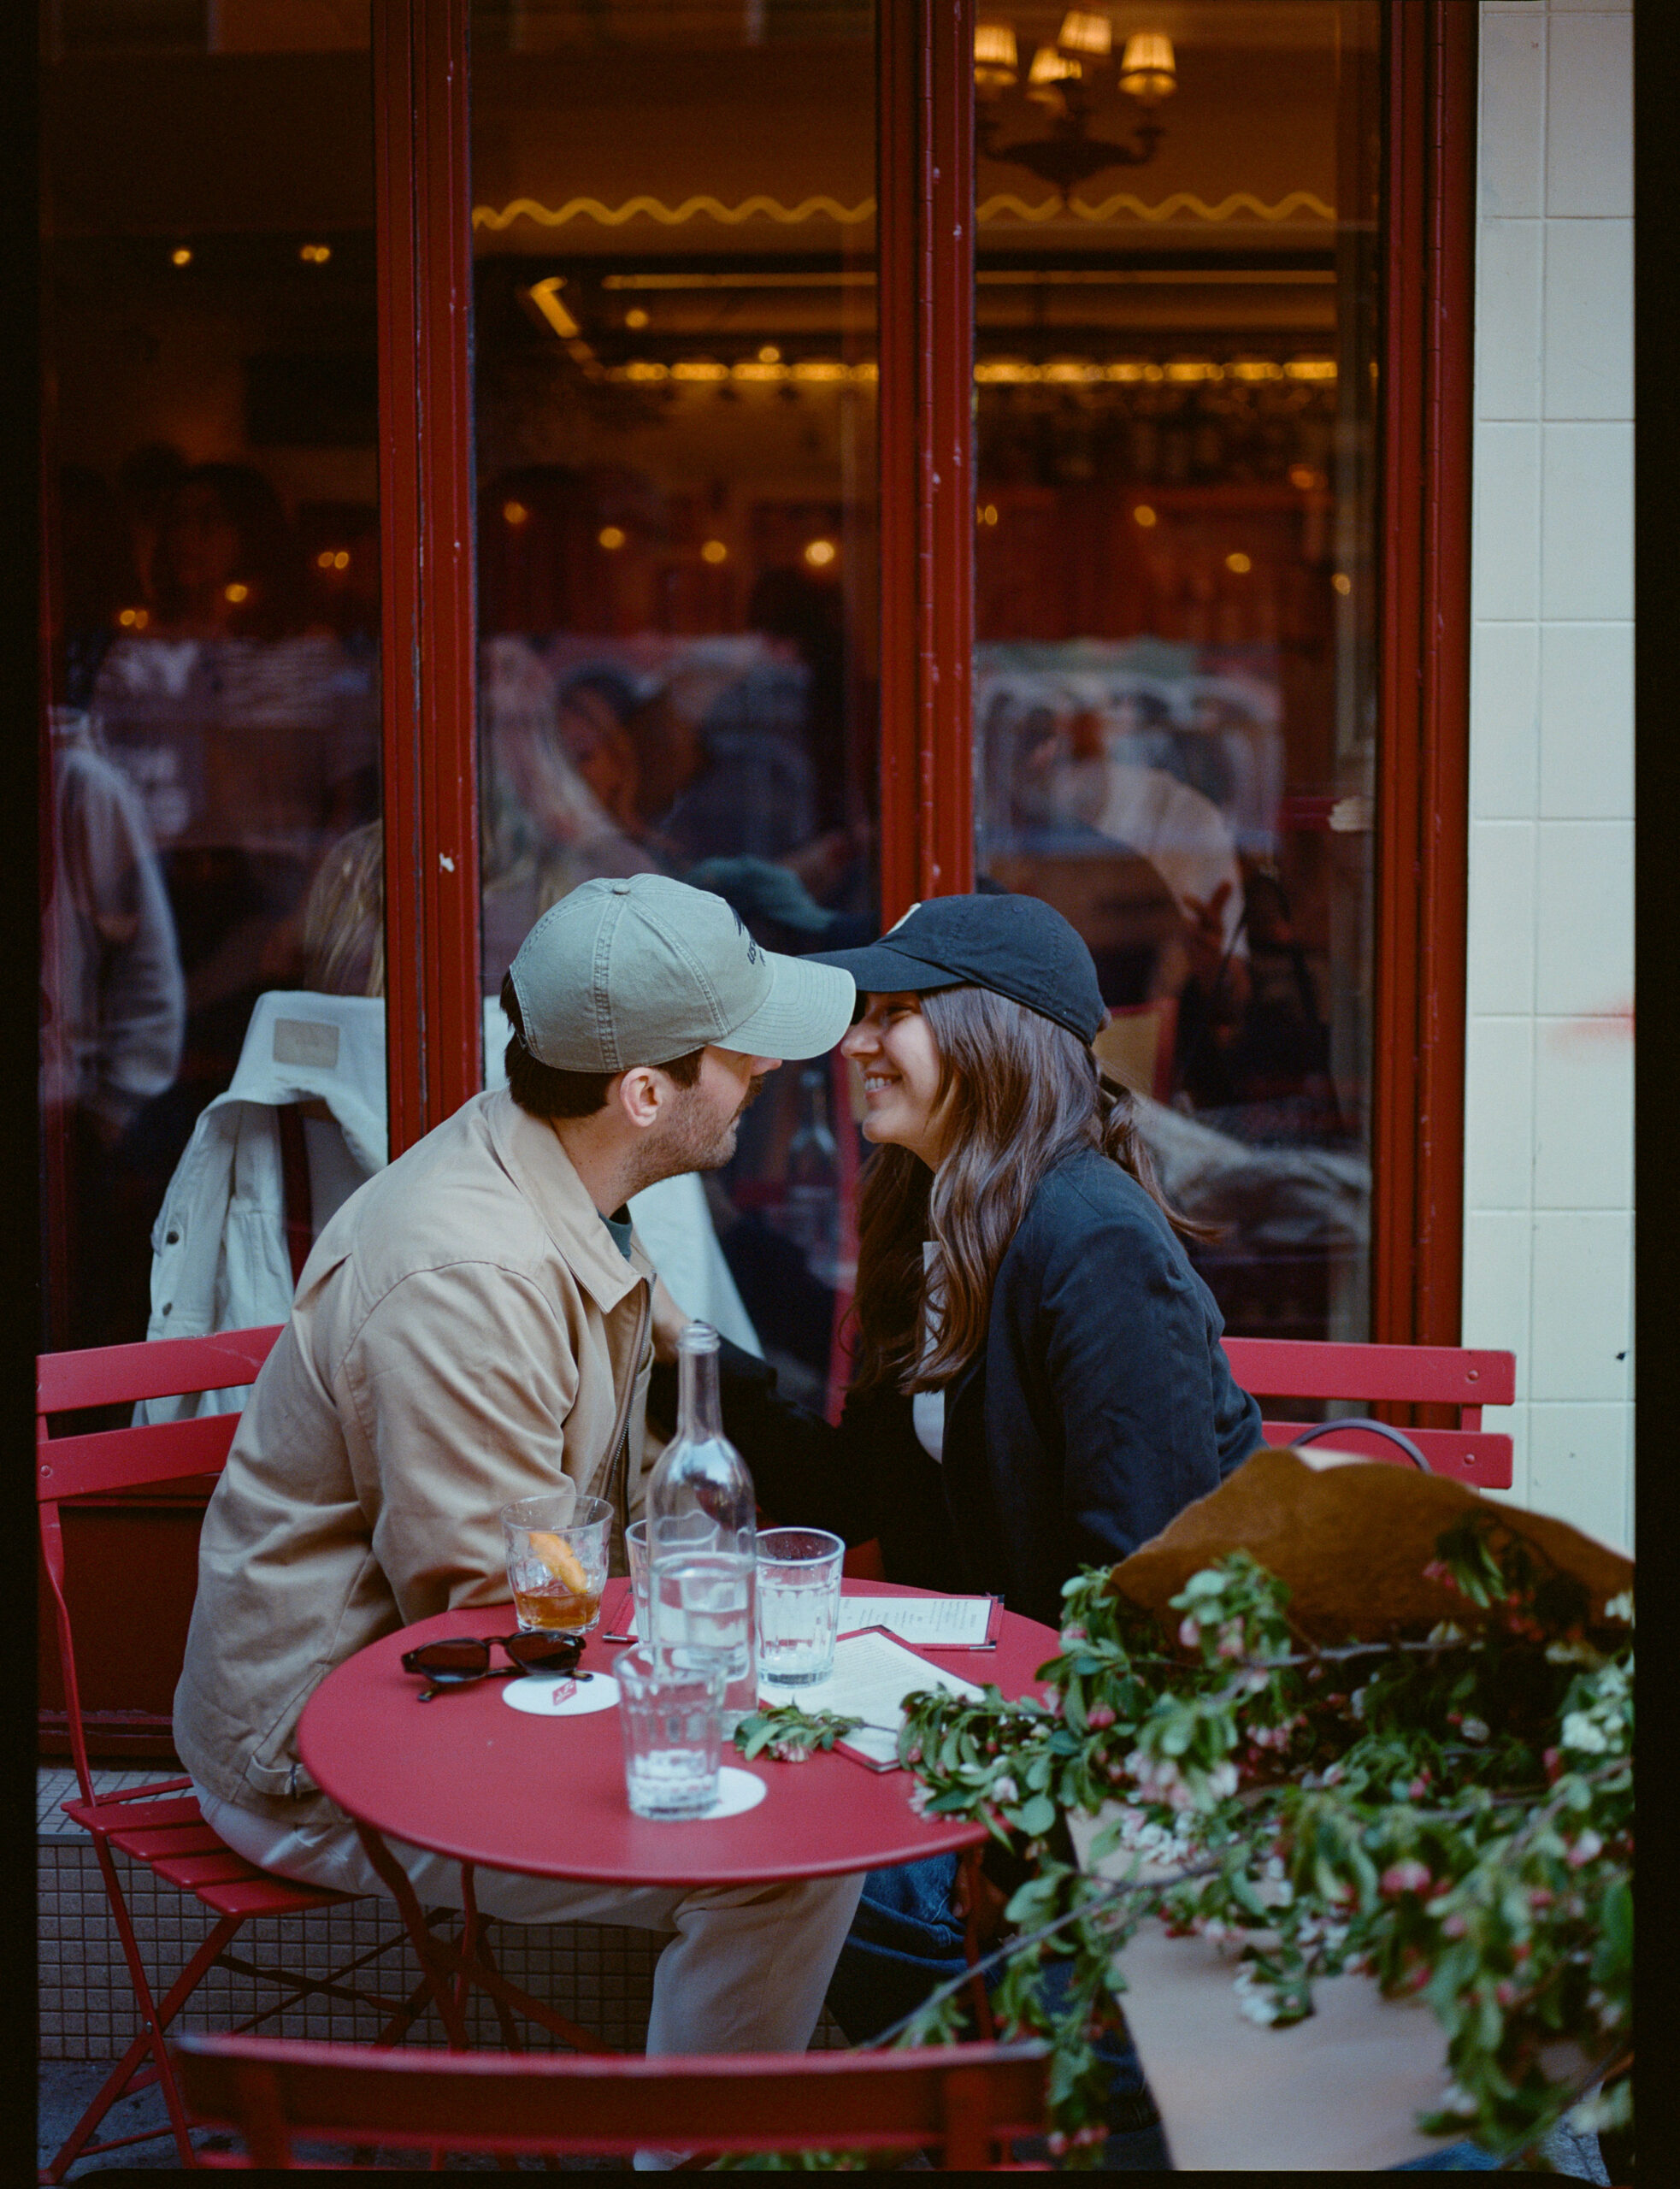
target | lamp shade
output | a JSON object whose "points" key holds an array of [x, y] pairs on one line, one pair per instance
{"points": [[1148, 70], [1050, 67], [1083, 32], [995, 57]]}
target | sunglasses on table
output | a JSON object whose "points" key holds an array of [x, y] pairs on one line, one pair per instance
{"points": [[459, 1660]]}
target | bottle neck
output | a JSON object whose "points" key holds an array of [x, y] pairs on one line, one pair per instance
{"points": [[699, 1411]]}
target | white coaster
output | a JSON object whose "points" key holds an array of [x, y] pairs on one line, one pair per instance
{"points": [[557, 1695], [737, 1792]]}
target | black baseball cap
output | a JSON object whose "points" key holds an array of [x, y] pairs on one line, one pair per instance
{"points": [[1016, 945]]}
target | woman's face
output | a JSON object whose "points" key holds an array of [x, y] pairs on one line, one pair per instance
{"points": [[893, 1046]]}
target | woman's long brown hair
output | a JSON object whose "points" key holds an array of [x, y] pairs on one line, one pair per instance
{"points": [[1017, 1092]]}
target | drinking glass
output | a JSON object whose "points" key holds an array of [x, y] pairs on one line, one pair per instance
{"points": [[672, 1735], [798, 1604], [700, 1617], [558, 1559], [675, 1535], [635, 1550]]}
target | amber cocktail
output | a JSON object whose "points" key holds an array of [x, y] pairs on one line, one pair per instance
{"points": [[557, 1560]]}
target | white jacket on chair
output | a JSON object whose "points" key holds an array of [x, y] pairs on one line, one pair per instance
{"points": [[220, 1258]]}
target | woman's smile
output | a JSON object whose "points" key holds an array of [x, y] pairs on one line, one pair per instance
{"points": [[893, 1048]]}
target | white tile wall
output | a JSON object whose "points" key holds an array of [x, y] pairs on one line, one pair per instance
{"points": [[1586, 524], [1549, 1097], [1505, 707], [1585, 695]]}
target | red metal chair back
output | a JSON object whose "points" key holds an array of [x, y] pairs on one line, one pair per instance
{"points": [[101, 1461], [1374, 1375], [156, 1828], [964, 2100]]}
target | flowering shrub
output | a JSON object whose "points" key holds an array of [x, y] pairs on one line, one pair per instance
{"points": [[1450, 1814]]}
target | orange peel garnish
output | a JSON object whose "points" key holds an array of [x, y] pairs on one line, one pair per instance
{"points": [[560, 1559]]}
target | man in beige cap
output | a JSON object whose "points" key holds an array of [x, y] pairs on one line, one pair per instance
{"points": [[472, 1326]]}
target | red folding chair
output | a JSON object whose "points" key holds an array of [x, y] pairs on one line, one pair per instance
{"points": [[158, 1826], [964, 2101], [1374, 1375]]}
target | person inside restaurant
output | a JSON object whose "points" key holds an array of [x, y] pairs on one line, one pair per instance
{"points": [[1038, 1381], [472, 1327]]}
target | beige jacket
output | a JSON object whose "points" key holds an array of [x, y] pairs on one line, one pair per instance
{"points": [[465, 1330]]}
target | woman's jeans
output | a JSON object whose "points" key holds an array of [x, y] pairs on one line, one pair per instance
{"points": [[906, 1941]]}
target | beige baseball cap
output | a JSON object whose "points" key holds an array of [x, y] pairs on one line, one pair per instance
{"points": [[639, 970]]}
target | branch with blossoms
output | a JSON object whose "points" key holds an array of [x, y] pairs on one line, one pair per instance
{"points": [[1450, 1815]]}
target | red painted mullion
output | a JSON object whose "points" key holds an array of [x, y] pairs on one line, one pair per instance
{"points": [[430, 834], [900, 135], [400, 563], [1422, 821], [925, 288], [947, 565], [1445, 859]]}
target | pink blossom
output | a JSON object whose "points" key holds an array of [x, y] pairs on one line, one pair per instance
{"points": [[913, 1756], [1541, 1897], [1505, 1993], [1100, 1717], [1410, 1876], [1072, 1634], [1585, 1847], [1189, 1633], [1455, 1925]]}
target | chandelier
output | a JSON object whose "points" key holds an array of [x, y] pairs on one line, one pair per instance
{"points": [[1063, 80]]}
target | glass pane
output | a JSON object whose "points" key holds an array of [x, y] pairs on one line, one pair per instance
{"points": [[213, 586], [674, 337], [1176, 390]]}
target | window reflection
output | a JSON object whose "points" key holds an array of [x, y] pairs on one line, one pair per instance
{"points": [[1174, 532], [212, 582], [675, 411]]}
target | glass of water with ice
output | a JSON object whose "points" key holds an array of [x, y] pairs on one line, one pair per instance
{"points": [[798, 1604], [672, 1742], [700, 1617]]}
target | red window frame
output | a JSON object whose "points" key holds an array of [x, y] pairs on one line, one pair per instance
{"points": [[925, 227]]}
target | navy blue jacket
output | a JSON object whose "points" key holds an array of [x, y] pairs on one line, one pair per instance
{"points": [[1099, 1407]]}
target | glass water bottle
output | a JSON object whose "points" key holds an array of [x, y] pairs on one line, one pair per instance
{"points": [[702, 1539]]}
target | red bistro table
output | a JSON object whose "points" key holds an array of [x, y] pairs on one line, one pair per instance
{"points": [[465, 1776]]}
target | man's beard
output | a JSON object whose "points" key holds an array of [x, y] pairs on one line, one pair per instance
{"points": [[693, 1141]]}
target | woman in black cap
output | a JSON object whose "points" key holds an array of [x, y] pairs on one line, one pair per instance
{"points": [[1039, 1382]]}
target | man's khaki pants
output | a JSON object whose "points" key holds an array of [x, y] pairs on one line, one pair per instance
{"points": [[745, 1972]]}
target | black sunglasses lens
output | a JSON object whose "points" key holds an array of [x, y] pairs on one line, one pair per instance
{"points": [[446, 1661], [544, 1653]]}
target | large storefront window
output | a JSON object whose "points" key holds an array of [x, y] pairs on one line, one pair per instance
{"points": [[673, 229], [210, 759], [1176, 596]]}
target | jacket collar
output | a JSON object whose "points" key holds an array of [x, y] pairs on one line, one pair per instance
{"points": [[530, 1151]]}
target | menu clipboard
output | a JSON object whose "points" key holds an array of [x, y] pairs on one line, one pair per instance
{"points": [[918, 1619], [873, 1672], [926, 1622]]}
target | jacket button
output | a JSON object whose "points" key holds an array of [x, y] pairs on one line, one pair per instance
{"points": [[172, 1238]]}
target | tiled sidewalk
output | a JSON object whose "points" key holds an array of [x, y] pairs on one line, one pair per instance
{"points": [[601, 1977]]}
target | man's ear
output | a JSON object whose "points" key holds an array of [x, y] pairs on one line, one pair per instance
{"points": [[642, 1095]]}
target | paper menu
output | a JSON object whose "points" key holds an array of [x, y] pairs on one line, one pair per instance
{"points": [[872, 1674], [928, 1622]]}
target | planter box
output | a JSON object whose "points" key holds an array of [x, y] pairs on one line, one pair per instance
{"points": [[1339, 2092]]}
